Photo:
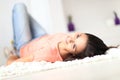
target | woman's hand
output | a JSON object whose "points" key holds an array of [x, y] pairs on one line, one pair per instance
{"points": [[28, 58], [14, 58]]}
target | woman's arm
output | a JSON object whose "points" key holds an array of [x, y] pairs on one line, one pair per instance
{"points": [[12, 59], [25, 59]]}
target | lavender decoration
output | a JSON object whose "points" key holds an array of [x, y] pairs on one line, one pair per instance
{"points": [[116, 19], [71, 26]]}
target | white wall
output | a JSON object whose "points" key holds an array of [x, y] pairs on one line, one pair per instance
{"points": [[58, 17], [40, 10], [95, 16], [49, 13]]}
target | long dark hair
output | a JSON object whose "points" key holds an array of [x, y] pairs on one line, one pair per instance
{"points": [[95, 46]]}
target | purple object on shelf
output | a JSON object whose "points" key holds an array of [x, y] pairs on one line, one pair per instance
{"points": [[116, 19], [71, 26]]}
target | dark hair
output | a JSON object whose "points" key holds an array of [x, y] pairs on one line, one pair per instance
{"points": [[95, 46]]}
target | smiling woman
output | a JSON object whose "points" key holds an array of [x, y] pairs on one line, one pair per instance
{"points": [[32, 43], [73, 44], [89, 46]]}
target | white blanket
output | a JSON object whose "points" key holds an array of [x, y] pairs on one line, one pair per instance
{"points": [[22, 68]]}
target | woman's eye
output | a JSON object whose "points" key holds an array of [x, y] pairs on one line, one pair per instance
{"points": [[78, 36], [74, 46]]}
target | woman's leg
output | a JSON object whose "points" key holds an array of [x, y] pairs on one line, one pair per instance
{"points": [[21, 26], [36, 29]]}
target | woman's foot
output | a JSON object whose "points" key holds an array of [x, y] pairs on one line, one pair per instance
{"points": [[8, 52]]}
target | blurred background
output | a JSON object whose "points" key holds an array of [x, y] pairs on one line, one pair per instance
{"points": [[99, 17]]}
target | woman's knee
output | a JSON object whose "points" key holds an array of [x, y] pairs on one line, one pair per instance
{"points": [[19, 7]]}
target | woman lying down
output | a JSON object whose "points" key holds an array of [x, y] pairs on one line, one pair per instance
{"points": [[32, 43]]}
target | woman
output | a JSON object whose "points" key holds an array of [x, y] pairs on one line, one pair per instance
{"points": [[32, 43]]}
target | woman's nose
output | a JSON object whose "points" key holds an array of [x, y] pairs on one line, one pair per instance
{"points": [[70, 39]]}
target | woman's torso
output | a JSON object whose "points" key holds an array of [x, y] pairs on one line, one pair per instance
{"points": [[44, 48]]}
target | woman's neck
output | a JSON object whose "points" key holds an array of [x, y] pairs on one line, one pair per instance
{"points": [[62, 51]]}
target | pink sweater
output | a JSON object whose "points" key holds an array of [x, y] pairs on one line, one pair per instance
{"points": [[44, 48]]}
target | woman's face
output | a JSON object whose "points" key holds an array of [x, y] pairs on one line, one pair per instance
{"points": [[74, 43]]}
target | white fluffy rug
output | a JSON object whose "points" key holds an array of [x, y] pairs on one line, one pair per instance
{"points": [[21, 68]]}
